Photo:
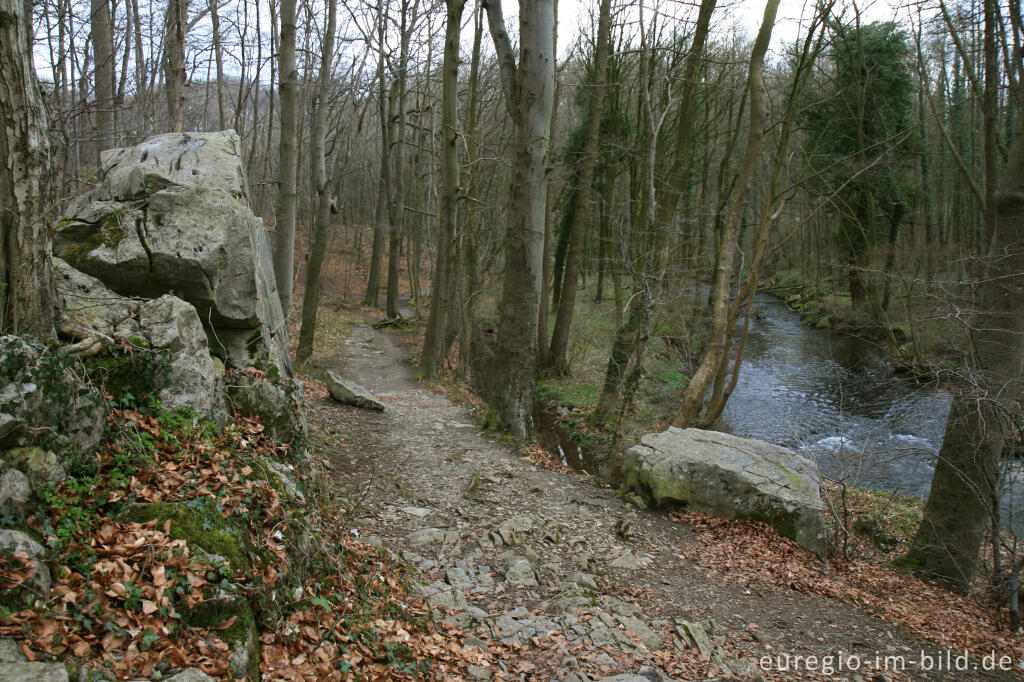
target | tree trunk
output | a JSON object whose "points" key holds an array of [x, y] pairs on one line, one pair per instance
{"points": [[324, 193], [218, 55], [174, 62], [287, 170], [529, 94], [27, 298], [557, 357], [103, 52], [433, 341], [468, 259], [384, 186], [396, 203], [961, 502], [693, 398]]}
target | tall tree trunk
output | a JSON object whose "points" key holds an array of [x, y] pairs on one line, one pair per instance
{"points": [[557, 357], [433, 341], [174, 62], [693, 398], [103, 52], [631, 335], [961, 502], [468, 257], [324, 192], [288, 166], [529, 92], [396, 202], [27, 298], [218, 55], [384, 185], [544, 310]]}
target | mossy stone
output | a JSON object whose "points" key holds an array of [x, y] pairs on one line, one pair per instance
{"points": [[207, 530], [242, 637]]}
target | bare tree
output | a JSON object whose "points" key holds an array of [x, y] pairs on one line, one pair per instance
{"points": [[529, 91], [433, 342], [27, 298], [284, 230], [557, 357]]}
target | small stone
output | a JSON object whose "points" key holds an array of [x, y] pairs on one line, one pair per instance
{"points": [[429, 535], [477, 672], [475, 643], [351, 393], [190, 675], [520, 572], [696, 634], [633, 624], [584, 580], [627, 561], [419, 512], [458, 578], [14, 493]]}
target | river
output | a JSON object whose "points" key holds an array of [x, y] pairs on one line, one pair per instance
{"points": [[834, 398]]}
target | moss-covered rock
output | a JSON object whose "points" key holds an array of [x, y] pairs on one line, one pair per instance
{"points": [[731, 477], [206, 530], [39, 582], [41, 466], [241, 636]]}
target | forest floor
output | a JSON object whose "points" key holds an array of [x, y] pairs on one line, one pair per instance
{"points": [[553, 576]]}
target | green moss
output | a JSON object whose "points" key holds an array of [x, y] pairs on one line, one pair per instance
{"points": [[140, 342], [912, 561], [241, 635], [208, 531], [110, 232]]}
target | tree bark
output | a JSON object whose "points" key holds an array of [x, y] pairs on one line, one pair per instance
{"points": [[103, 54], [384, 186], [27, 298], [529, 94], [557, 356], [961, 503], [433, 341], [324, 192], [174, 62], [287, 170], [693, 398], [218, 55], [468, 258]]}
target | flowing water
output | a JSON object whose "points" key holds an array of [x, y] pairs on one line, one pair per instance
{"points": [[830, 396], [834, 398]]}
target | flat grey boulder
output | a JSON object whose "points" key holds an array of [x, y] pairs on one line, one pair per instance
{"points": [[732, 477], [351, 393]]}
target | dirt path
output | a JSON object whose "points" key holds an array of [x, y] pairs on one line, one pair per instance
{"points": [[572, 579]]}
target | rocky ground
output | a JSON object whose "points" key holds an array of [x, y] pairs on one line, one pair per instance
{"points": [[553, 573]]}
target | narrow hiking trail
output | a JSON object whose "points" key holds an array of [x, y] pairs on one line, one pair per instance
{"points": [[552, 574]]}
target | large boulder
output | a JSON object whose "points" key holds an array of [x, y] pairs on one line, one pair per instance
{"points": [[731, 477], [171, 215], [167, 324]]}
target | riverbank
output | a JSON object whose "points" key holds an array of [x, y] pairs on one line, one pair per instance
{"points": [[550, 570]]}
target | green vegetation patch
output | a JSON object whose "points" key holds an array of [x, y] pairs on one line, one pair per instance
{"points": [[206, 530]]}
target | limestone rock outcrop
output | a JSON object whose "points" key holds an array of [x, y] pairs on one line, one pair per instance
{"points": [[166, 324], [168, 230], [733, 477]]}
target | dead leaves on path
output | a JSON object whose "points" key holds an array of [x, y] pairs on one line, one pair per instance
{"points": [[754, 555]]}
